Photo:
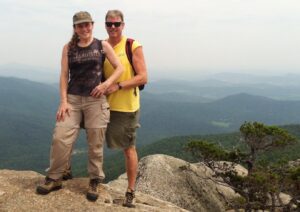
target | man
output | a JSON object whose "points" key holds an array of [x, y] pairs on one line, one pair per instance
{"points": [[124, 98]]}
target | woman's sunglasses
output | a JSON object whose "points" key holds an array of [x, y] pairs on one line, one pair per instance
{"points": [[110, 24]]}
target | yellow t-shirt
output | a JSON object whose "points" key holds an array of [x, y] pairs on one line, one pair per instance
{"points": [[123, 100]]}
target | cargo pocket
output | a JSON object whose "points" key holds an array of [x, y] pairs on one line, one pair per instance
{"points": [[130, 136], [106, 112]]}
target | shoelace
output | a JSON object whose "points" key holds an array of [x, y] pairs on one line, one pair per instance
{"points": [[48, 180], [94, 184], [129, 197]]}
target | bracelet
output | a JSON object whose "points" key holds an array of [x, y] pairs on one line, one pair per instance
{"points": [[119, 85]]}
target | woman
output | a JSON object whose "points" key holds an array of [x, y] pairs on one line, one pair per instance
{"points": [[81, 99]]}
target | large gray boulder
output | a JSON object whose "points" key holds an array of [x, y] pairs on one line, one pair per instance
{"points": [[190, 186]]}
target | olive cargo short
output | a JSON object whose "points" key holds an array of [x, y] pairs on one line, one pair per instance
{"points": [[121, 130]]}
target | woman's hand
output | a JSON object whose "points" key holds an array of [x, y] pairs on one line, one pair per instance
{"points": [[99, 90], [63, 110], [114, 87]]}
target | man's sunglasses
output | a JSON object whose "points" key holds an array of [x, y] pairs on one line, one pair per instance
{"points": [[110, 24]]}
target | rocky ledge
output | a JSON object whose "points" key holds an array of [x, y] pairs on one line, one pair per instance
{"points": [[17, 193]]}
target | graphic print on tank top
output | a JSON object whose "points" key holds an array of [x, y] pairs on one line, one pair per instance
{"points": [[86, 68]]}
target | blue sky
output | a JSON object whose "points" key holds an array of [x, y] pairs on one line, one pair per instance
{"points": [[180, 38]]}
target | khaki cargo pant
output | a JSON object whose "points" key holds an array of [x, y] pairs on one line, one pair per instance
{"points": [[95, 112]]}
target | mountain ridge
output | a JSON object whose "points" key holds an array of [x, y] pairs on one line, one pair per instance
{"points": [[27, 111]]}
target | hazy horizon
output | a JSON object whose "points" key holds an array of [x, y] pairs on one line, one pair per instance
{"points": [[48, 75], [180, 39]]}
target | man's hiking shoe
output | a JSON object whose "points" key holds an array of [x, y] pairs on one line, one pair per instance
{"points": [[129, 199], [67, 175], [93, 191], [48, 186]]}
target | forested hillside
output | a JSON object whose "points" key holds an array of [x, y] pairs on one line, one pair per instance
{"points": [[27, 116], [176, 146]]}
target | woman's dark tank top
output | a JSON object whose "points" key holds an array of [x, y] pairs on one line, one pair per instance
{"points": [[86, 68]]}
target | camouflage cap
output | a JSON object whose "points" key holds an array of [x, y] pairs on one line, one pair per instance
{"points": [[82, 17]]}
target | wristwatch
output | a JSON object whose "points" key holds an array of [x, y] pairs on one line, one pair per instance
{"points": [[119, 85]]}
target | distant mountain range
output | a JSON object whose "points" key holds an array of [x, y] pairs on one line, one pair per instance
{"points": [[224, 115], [215, 87], [201, 88], [39, 74], [27, 111]]}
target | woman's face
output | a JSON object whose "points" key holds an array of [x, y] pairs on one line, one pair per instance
{"points": [[84, 30]]}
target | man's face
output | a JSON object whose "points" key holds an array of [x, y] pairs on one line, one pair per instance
{"points": [[114, 26]]}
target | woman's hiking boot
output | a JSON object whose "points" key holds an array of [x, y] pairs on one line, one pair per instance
{"points": [[129, 199], [94, 188], [48, 186], [67, 175]]}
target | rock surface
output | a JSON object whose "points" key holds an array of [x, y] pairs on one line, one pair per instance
{"points": [[186, 185], [17, 193], [295, 163]]}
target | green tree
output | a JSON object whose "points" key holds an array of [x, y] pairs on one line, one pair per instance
{"points": [[261, 138], [260, 189]]}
